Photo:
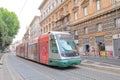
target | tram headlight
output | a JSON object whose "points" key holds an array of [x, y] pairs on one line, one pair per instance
{"points": [[63, 54]]}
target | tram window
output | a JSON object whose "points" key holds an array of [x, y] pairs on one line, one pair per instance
{"points": [[65, 45], [53, 46]]}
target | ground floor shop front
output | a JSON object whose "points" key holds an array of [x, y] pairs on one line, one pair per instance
{"points": [[99, 35], [102, 45]]}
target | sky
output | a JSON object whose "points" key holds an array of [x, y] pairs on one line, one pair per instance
{"points": [[25, 10]]}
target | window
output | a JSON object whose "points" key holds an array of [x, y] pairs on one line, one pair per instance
{"points": [[75, 1], [52, 18], [85, 30], [52, 24], [56, 2], [51, 7], [66, 45], [115, 1], [41, 31], [85, 11], [66, 7], [49, 19], [53, 46], [56, 15], [99, 27], [46, 28], [76, 15], [61, 12], [98, 5], [44, 14], [117, 22], [75, 32], [49, 26], [86, 40]]}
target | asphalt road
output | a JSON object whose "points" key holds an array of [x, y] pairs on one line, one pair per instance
{"points": [[108, 60], [16, 68]]}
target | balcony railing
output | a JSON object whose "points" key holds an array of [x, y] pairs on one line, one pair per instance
{"points": [[66, 27]]}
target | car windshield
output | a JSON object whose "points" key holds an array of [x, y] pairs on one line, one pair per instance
{"points": [[66, 44]]}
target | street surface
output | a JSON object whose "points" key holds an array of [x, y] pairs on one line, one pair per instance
{"points": [[16, 68], [108, 60]]}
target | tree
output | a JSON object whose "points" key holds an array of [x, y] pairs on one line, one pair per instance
{"points": [[2, 33], [9, 25]]}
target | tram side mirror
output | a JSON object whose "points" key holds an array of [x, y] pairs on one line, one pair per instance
{"points": [[52, 37], [76, 42]]}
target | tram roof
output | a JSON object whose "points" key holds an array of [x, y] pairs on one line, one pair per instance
{"points": [[59, 32]]}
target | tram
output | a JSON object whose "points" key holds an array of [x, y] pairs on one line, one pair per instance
{"points": [[52, 48]]}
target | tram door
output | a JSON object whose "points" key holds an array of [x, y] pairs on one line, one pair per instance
{"points": [[26, 50], [116, 43], [44, 49]]}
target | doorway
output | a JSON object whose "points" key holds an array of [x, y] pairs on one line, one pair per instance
{"points": [[116, 43], [101, 47], [87, 49]]}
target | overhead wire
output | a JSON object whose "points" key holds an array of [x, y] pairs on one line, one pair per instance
{"points": [[23, 7]]}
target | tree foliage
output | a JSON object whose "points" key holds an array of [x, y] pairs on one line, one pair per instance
{"points": [[9, 25]]}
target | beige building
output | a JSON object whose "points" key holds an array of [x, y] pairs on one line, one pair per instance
{"points": [[33, 31], [94, 23], [35, 28]]}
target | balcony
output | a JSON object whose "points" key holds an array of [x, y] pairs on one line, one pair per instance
{"points": [[85, 3], [63, 27], [75, 7]]}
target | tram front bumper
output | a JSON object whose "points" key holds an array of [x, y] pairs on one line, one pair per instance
{"points": [[65, 62]]}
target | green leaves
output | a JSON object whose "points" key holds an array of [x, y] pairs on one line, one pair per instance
{"points": [[9, 25]]}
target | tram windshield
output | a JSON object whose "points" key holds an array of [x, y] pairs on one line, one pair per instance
{"points": [[67, 46]]}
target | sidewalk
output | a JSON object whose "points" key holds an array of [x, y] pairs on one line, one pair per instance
{"points": [[110, 64], [1, 67]]}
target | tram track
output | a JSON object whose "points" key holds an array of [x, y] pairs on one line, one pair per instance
{"points": [[8, 68], [69, 73], [91, 74], [34, 69], [81, 75], [54, 73], [44, 67]]}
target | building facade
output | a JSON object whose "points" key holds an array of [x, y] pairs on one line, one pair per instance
{"points": [[32, 32], [35, 27], [94, 23]]}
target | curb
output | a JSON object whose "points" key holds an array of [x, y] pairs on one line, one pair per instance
{"points": [[1, 66], [108, 68], [1, 59]]}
